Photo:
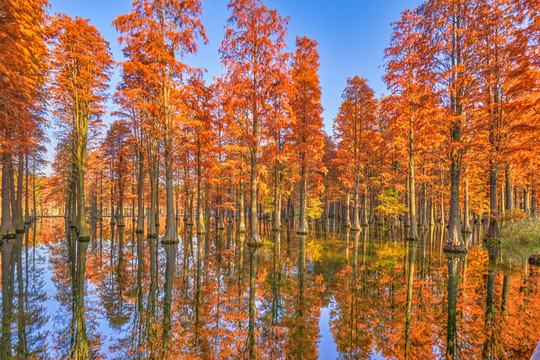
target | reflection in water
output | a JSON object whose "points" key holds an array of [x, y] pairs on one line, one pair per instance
{"points": [[354, 294], [454, 265], [79, 339], [170, 251]]}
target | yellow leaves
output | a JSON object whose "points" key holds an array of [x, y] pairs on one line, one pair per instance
{"points": [[314, 207], [389, 204], [313, 249]]}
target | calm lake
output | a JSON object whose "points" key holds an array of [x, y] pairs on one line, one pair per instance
{"points": [[336, 295]]}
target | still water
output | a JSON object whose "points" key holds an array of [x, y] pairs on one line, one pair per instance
{"points": [[336, 295]]}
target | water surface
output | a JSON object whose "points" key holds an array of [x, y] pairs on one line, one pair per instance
{"points": [[335, 295]]}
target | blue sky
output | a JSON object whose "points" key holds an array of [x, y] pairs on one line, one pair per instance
{"points": [[352, 35]]}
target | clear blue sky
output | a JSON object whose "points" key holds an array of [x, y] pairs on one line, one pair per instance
{"points": [[352, 35]]}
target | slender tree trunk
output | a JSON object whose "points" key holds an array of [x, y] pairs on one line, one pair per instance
{"points": [[276, 225], [303, 228], [527, 199], [254, 221], [407, 216], [509, 205], [242, 215], [34, 210], [171, 231], [220, 211], [413, 229], [466, 218], [424, 207], [454, 229], [83, 228], [364, 212], [152, 231], [140, 189], [356, 211], [346, 215], [493, 230], [6, 226], [200, 218], [16, 197], [534, 212], [26, 200]]}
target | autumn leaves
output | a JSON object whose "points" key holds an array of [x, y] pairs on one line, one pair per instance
{"points": [[462, 110]]}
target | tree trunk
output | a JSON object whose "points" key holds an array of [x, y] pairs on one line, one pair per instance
{"points": [[303, 228], [242, 215], [254, 220], [6, 226], [276, 225], [16, 197], [200, 218], [26, 200], [171, 231], [346, 215], [364, 216], [140, 189], [527, 199], [493, 230], [152, 231], [413, 229], [34, 210], [466, 218], [533, 202], [356, 211], [424, 207], [509, 205], [83, 228], [454, 229]]}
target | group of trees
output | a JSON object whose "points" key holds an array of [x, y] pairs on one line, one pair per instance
{"points": [[454, 138]]}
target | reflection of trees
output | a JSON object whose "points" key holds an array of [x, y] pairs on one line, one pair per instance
{"points": [[303, 333], [170, 251], [254, 254], [115, 282], [79, 338], [8, 274], [221, 299], [454, 267], [22, 301]]}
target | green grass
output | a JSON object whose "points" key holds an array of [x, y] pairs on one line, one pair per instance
{"points": [[520, 239], [521, 232]]}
